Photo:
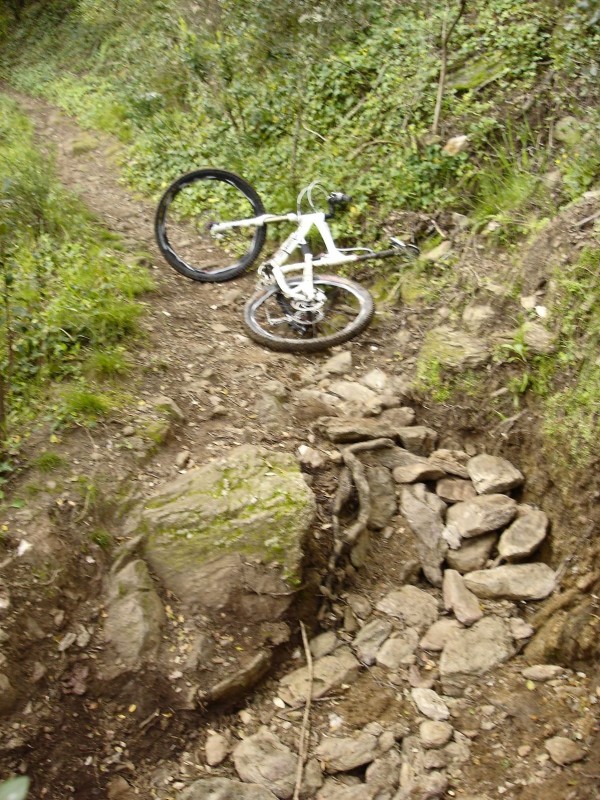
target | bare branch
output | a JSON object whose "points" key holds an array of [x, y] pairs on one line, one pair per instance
{"points": [[445, 38]]}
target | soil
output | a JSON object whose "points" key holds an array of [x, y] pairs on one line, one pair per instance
{"points": [[76, 740]]}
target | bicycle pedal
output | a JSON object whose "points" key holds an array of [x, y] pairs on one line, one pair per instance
{"points": [[397, 242]]}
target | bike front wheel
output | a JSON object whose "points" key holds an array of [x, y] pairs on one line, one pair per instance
{"points": [[185, 220], [271, 320]]}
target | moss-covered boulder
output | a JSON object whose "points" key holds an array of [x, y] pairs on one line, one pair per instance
{"points": [[229, 535]]}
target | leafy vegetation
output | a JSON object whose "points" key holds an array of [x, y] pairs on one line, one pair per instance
{"points": [[283, 92], [67, 298], [572, 409], [289, 90]]}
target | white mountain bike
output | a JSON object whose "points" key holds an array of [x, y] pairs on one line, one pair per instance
{"points": [[211, 225]]}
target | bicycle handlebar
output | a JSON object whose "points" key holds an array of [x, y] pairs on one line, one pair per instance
{"points": [[336, 199]]}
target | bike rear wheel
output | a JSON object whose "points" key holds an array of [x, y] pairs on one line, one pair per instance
{"points": [[271, 321], [186, 214]]}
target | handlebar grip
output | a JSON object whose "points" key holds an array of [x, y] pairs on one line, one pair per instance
{"points": [[339, 198]]}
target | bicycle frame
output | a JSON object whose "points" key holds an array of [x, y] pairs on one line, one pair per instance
{"points": [[276, 266]]}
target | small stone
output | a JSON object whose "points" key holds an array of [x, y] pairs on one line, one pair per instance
{"points": [[493, 475], [384, 772], [355, 429], [564, 751], [452, 462], [350, 622], [311, 458], [542, 672], [359, 605], [223, 789], [370, 638], [438, 253], [418, 679], [357, 396], [476, 316], [455, 490], [344, 754], [416, 469], [435, 759], [438, 634], [398, 650], [8, 695], [323, 644], [216, 749], [376, 380], [539, 340], [524, 750], [430, 704], [339, 364], [418, 439], [434, 734], [473, 651], [456, 145], [169, 407], [520, 629], [182, 458], [265, 760], [473, 553], [329, 673], [524, 536], [413, 606], [128, 430], [383, 497], [459, 599], [484, 514]]}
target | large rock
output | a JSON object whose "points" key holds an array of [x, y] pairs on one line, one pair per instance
{"points": [[481, 515], [134, 616], [524, 536], [265, 760], [473, 651], [329, 672], [224, 789], [427, 525], [493, 475], [513, 582], [229, 534]]}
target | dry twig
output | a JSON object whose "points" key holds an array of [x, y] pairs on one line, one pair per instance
{"points": [[305, 729]]}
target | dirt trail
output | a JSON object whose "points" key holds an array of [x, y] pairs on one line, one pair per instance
{"points": [[195, 352]]}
